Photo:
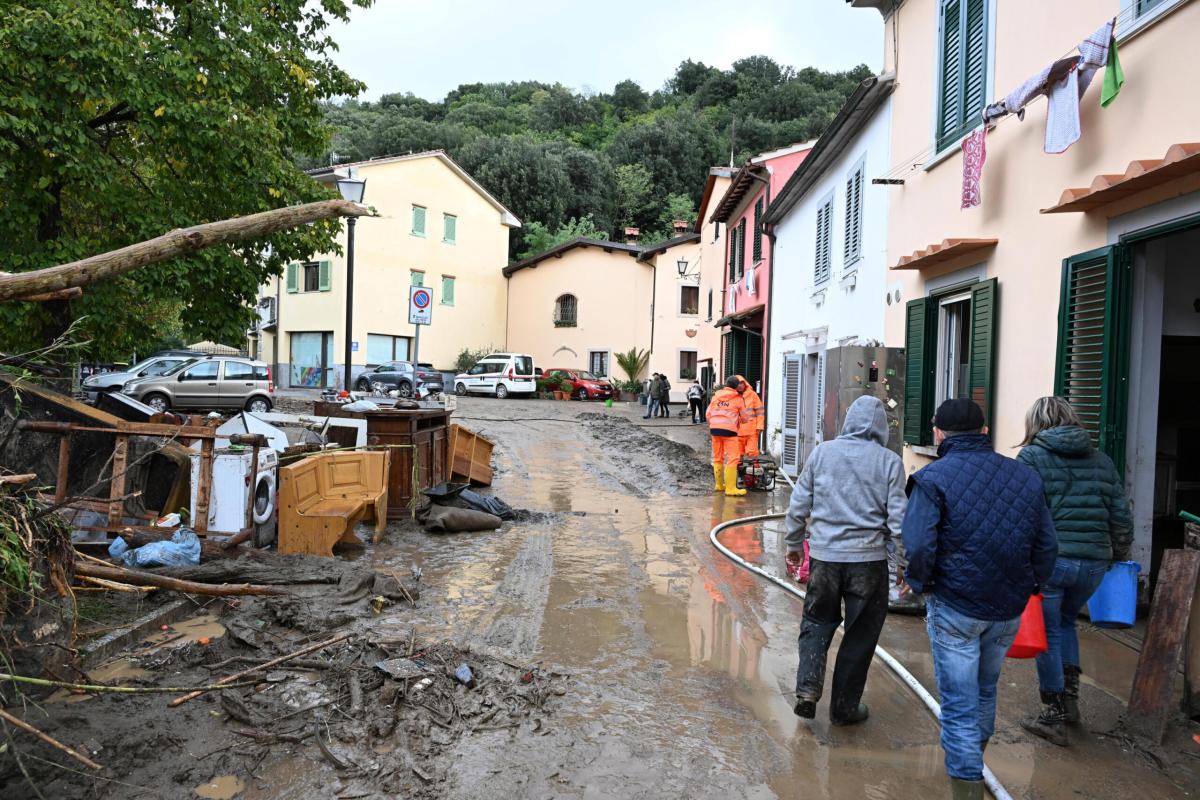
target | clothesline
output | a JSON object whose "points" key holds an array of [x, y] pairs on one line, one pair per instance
{"points": [[920, 158]]}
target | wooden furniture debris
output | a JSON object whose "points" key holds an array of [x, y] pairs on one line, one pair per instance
{"points": [[322, 498], [470, 457], [1191, 651], [1150, 701]]}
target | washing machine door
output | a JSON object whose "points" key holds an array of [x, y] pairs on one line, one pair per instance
{"points": [[264, 498]]}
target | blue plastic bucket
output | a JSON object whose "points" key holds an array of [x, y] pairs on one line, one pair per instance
{"points": [[1114, 603]]}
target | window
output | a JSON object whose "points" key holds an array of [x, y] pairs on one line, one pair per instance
{"points": [[689, 300], [204, 371], [962, 68], [416, 277], [238, 371], [161, 367], [1144, 6], [824, 239], [737, 252], [598, 362], [418, 220], [312, 276], [950, 345], [854, 219], [382, 348], [566, 310], [449, 228], [487, 368], [447, 290], [710, 305], [758, 210], [262, 373], [687, 365]]}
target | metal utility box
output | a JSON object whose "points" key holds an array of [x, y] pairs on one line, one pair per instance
{"points": [[852, 372]]}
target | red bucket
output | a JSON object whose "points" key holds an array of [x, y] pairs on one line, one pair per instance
{"points": [[1031, 636]]}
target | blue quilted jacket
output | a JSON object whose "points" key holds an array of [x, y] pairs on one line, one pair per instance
{"points": [[977, 530]]}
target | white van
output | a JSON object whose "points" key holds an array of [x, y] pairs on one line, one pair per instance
{"points": [[499, 374]]}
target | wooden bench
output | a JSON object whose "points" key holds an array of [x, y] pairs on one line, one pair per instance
{"points": [[322, 498]]}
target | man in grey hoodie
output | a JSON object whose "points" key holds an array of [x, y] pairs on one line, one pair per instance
{"points": [[849, 502]]}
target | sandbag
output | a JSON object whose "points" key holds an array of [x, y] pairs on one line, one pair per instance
{"points": [[447, 519], [492, 505]]}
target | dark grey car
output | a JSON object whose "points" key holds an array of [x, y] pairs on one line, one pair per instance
{"points": [[113, 381], [402, 376]]}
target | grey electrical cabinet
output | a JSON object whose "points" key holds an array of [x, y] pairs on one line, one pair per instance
{"points": [[852, 372]]}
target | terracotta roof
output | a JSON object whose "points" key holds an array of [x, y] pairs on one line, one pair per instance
{"points": [[939, 253], [1181, 160], [632, 250], [738, 315], [748, 177], [651, 250], [713, 174]]}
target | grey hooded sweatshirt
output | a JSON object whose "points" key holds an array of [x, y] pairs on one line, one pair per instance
{"points": [[852, 488]]}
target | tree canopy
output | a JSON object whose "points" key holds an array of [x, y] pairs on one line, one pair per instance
{"points": [[120, 121], [628, 157]]}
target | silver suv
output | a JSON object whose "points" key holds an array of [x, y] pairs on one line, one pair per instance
{"points": [[209, 382]]}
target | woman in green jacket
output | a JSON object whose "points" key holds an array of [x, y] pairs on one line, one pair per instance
{"points": [[1092, 519]]}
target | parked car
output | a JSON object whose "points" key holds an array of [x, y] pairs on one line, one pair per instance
{"points": [[208, 382], [499, 374], [188, 353], [583, 385], [113, 381], [402, 376]]}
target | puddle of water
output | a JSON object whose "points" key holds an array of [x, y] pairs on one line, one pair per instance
{"points": [[223, 787], [181, 633], [122, 668]]}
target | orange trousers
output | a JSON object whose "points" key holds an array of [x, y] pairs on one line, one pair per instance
{"points": [[749, 444], [726, 450]]}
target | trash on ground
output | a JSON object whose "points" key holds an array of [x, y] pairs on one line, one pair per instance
{"points": [[181, 550]]}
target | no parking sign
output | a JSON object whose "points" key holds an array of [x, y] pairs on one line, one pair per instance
{"points": [[420, 305]]}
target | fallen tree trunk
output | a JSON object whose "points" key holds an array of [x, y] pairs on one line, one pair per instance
{"points": [[21, 285], [140, 578], [267, 568]]}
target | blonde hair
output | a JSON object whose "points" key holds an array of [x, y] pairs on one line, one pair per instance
{"points": [[1046, 413]]}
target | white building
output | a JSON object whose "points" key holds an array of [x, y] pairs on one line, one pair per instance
{"points": [[829, 226]]}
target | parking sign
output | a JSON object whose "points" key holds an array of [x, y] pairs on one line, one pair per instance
{"points": [[420, 305]]}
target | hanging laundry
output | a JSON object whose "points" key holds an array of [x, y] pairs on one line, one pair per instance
{"points": [[1093, 54], [750, 281], [1024, 94], [974, 149], [1062, 114], [1114, 76], [732, 297]]}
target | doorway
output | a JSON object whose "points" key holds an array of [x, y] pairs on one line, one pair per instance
{"points": [[311, 359]]}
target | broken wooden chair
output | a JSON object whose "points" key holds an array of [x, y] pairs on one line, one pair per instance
{"points": [[322, 498]]}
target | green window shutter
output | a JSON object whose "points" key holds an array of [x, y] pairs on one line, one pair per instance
{"points": [[449, 228], [752, 369], [732, 255], [758, 210], [324, 275], [920, 343], [962, 68], [727, 354], [975, 63], [447, 291], [1092, 368], [951, 71], [418, 221], [293, 281], [854, 200], [981, 370], [416, 278]]}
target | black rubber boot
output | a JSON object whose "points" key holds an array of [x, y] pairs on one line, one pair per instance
{"points": [[807, 709], [856, 716], [1051, 724], [1071, 692], [966, 790]]}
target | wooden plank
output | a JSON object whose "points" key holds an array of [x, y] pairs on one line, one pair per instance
{"points": [[64, 461], [1150, 701], [116, 493], [204, 490]]}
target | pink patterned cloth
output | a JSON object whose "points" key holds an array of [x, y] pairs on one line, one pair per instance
{"points": [[974, 149]]}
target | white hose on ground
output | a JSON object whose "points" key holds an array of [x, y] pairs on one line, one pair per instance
{"points": [[993, 784]]}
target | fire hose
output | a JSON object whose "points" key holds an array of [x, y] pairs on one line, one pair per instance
{"points": [[993, 784]]}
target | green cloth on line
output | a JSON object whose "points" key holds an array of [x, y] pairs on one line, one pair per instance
{"points": [[1114, 76]]}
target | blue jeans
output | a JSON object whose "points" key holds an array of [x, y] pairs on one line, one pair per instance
{"points": [[652, 408], [967, 656], [1063, 597]]}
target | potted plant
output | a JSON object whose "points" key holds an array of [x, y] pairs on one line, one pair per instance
{"points": [[560, 387], [544, 389], [630, 390]]}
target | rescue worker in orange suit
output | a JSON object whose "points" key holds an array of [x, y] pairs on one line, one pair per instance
{"points": [[727, 413], [750, 432]]}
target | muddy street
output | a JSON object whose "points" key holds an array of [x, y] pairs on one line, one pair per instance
{"points": [[616, 654]]}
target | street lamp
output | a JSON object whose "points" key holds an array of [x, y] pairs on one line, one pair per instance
{"points": [[682, 266], [352, 190]]}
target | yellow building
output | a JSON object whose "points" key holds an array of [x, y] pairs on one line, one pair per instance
{"points": [[437, 228], [1076, 274]]}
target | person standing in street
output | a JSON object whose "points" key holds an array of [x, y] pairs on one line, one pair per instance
{"points": [[751, 432], [1094, 528], [726, 413], [664, 399], [652, 397], [979, 541], [852, 490], [695, 398]]}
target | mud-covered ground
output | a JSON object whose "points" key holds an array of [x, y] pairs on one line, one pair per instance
{"points": [[656, 667]]}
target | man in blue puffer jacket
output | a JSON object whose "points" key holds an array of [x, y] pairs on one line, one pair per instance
{"points": [[979, 540]]}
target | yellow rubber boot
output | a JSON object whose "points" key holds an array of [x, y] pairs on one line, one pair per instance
{"points": [[731, 489], [718, 477]]}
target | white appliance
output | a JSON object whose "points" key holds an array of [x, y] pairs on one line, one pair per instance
{"points": [[231, 491]]}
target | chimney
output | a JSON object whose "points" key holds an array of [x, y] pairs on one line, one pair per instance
{"points": [[681, 226], [631, 235]]}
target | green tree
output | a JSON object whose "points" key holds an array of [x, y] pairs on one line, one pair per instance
{"points": [[539, 238], [120, 121], [674, 206], [676, 150], [634, 190], [629, 99]]}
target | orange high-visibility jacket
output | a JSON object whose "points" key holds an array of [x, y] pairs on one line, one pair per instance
{"points": [[754, 405], [727, 411]]}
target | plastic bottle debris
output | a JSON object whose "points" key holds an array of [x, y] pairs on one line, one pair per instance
{"points": [[463, 675], [422, 685]]}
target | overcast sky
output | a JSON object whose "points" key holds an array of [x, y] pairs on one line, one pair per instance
{"points": [[432, 46]]}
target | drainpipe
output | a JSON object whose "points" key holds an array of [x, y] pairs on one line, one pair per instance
{"points": [[653, 301], [770, 294], [275, 336]]}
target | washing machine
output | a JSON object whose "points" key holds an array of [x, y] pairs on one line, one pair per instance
{"points": [[232, 493]]}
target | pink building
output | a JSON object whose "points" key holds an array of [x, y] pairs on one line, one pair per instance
{"points": [[745, 319]]}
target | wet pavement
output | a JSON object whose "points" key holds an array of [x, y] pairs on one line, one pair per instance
{"points": [[682, 663]]}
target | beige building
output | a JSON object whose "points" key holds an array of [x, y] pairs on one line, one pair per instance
{"points": [[1076, 274], [437, 228]]}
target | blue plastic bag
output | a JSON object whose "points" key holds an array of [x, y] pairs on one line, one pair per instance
{"points": [[182, 551]]}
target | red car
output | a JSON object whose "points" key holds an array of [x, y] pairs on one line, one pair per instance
{"points": [[583, 384]]}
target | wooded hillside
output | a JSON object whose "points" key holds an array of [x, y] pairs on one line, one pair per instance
{"points": [[570, 163]]}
